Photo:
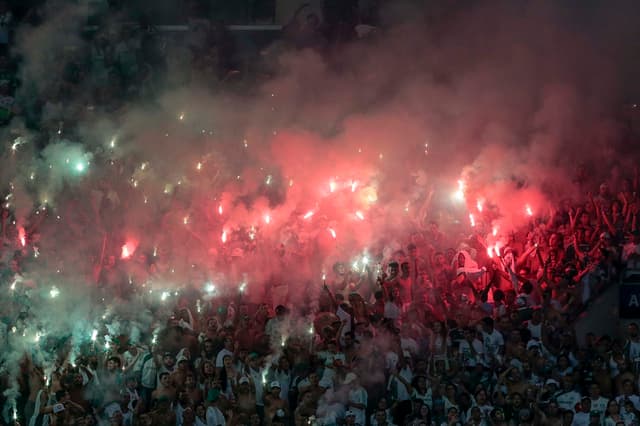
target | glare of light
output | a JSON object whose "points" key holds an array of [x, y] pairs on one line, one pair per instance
{"points": [[267, 219], [143, 166], [181, 117], [283, 341], [459, 194], [472, 220], [32, 176], [365, 260], [209, 287], [80, 167], [22, 236], [332, 232], [529, 211], [290, 183], [94, 335], [164, 295], [479, 205], [268, 180], [15, 413], [224, 236], [497, 250], [308, 215], [380, 156], [354, 185], [220, 210], [155, 339], [332, 186], [494, 231], [185, 220], [246, 143], [37, 337], [324, 276], [167, 189], [311, 331], [54, 292], [199, 166], [36, 252], [243, 287], [155, 251], [13, 284], [354, 265], [128, 248], [490, 251], [359, 215], [112, 144], [107, 345]]}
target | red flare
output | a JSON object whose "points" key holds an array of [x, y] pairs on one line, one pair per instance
{"points": [[22, 236]]}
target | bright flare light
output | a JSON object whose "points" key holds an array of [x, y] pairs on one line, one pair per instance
{"points": [[479, 205], [332, 232], [490, 252], [220, 209], [267, 219], [529, 211], [243, 287], [459, 194], [22, 236], [94, 335], [224, 237], [128, 249], [54, 292], [472, 220], [354, 186], [308, 215], [359, 215], [332, 186]]}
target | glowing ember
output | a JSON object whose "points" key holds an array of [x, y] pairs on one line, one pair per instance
{"points": [[494, 231], [354, 186], [332, 232], [308, 215], [359, 215], [479, 205], [332, 186], [267, 219], [199, 166], [224, 237], [529, 211], [220, 210], [472, 220], [490, 252]]}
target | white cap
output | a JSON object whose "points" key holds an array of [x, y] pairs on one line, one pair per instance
{"points": [[243, 380], [275, 384]]}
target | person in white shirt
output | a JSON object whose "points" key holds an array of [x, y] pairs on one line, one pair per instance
{"points": [[226, 351], [582, 416], [568, 398], [492, 342], [598, 402], [358, 398], [470, 349], [214, 415], [627, 394]]}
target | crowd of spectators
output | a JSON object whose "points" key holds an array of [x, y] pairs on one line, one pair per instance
{"points": [[442, 332]]}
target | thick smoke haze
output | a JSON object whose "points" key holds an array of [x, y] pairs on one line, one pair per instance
{"points": [[331, 158]]}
